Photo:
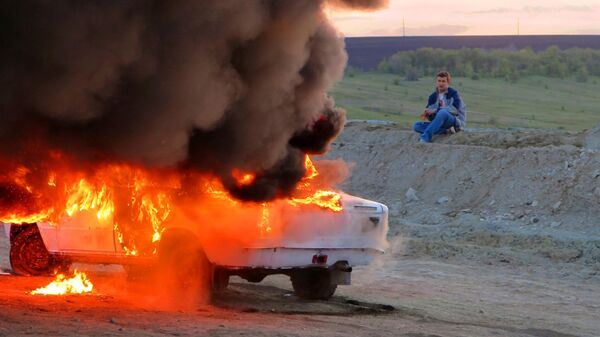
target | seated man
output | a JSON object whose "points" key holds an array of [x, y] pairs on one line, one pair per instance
{"points": [[445, 111]]}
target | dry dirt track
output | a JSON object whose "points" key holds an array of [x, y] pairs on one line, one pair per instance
{"points": [[490, 270], [413, 297]]}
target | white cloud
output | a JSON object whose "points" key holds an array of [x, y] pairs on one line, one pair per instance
{"points": [[535, 9]]}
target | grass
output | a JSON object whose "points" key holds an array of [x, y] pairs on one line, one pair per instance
{"points": [[532, 102]]}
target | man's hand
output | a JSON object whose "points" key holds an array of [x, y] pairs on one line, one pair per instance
{"points": [[426, 113]]}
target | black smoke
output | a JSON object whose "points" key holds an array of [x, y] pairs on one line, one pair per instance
{"points": [[210, 86]]}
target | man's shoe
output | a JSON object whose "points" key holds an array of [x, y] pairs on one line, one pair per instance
{"points": [[451, 131]]}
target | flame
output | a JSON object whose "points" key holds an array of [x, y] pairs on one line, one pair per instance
{"points": [[19, 177], [87, 197], [15, 218], [76, 284], [243, 179], [52, 180], [264, 223], [311, 170], [220, 194], [128, 250], [156, 213], [138, 203], [322, 198]]}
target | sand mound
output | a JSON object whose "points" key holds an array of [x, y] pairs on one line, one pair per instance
{"points": [[592, 138], [507, 195]]}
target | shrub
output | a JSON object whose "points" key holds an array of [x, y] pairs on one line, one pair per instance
{"points": [[500, 63], [582, 75], [513, 77], [412, 75]]}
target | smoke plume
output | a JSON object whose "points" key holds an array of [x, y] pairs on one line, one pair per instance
{"points": [[203, 85]]}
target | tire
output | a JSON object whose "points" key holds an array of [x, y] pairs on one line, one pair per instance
{"points": [[313, 284], [188, 272], [220, 280], [29, 256], [137, 273]]}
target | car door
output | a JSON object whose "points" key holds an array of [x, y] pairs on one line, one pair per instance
{"points": [[84, 232]]}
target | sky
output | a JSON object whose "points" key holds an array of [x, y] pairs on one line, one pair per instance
{"points": [[472, 17]]}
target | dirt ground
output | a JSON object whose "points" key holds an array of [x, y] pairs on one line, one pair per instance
{"points": [[500, 236]]}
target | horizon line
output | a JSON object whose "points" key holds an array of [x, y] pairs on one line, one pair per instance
{"points": [[470, 35]]}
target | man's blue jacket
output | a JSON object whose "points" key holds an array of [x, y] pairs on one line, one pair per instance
{"points": [[453, 102]]}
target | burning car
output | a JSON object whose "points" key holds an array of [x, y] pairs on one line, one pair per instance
{"points": [[316, 239], [175, 136]]}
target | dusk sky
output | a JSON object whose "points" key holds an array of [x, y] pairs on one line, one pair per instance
{"points": [[471, 17]]}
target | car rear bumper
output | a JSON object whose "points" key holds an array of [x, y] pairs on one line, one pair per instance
{"points": [[291, 257]]}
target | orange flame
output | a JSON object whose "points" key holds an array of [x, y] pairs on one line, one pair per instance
{"points": [[17, 218], [86, 197], [129, 250], [265, 221], [76, 284], [322, 198], [138, 203], [243, 179], [156, 213], [311, 170], [326, 199]]}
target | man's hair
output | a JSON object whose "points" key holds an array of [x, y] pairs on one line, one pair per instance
{"points": [[445, 74]]}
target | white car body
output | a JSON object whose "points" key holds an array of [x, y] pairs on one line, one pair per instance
{"points": [[316, 247], [355, 236]]}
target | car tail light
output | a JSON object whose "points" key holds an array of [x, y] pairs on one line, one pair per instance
{"points": [[319, 259]]}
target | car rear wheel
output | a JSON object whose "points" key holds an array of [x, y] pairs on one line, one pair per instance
{"points": [[188, 272], [137, 273], [314, 284], [29, 256], [220, 280]]}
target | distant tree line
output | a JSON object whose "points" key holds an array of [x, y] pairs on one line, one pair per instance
{"points": [[495, 63]]}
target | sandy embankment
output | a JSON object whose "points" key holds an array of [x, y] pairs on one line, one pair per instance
{"points": [[520, 197]]}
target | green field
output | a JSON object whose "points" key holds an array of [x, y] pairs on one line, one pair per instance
{"points": [[532, 102]]}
